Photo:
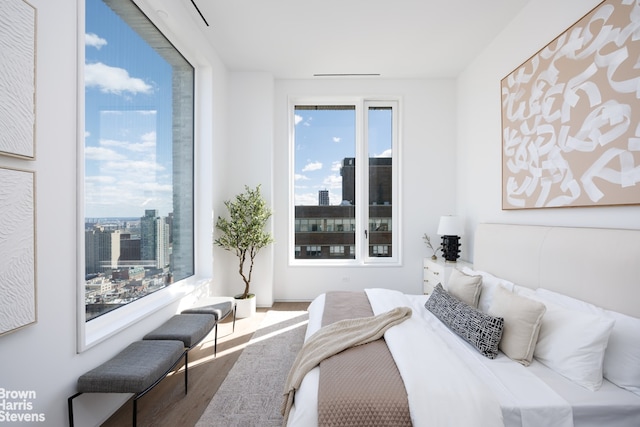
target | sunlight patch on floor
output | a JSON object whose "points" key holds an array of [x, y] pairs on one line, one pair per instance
{"points": [[279, 331]]}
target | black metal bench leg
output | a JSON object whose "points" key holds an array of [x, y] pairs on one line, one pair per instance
{"points": [[70, 406], [135, 411], [186, 372], [235, 307], [215, 340]]}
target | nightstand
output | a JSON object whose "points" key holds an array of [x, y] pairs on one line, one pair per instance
{"points": [[438, 271]]}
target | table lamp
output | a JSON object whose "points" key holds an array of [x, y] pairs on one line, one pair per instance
{"points": [[450, 229]]}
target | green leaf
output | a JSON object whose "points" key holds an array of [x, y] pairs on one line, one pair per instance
{"points": [[243, 232]]}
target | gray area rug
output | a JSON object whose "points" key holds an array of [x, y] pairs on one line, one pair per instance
{"points": [[252, 393]]}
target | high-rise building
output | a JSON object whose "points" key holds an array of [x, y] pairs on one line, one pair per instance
{"points": [[102, 249], [379, 180], [162, 245], [148, 234], [154, 239], [323, 198], [129, 248]]}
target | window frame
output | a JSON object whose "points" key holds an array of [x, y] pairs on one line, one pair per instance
{"points": [[108, 324], [363, 257]]}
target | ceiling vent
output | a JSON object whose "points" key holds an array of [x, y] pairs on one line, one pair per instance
{"points": [[346, 75], [199, 13]]}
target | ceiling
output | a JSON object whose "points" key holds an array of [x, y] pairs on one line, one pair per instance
{"points": [[297, 39]]}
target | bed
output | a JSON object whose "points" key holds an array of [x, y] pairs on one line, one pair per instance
{"points": [[578, 364]]}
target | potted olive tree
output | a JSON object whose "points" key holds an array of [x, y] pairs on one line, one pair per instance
{"points": [[243, 233]]}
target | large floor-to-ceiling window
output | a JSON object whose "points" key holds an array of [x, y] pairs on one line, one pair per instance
{"points": [[138, 159]]}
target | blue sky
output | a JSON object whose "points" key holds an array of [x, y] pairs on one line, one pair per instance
{"points": [[127, 120], [323, 138]]}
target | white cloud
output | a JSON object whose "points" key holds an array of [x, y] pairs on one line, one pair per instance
{"points": [[300, 177], [126, 197], [91, 39], [299, 118], [335, 198], [134, 184], [113, 80], [335, 166], [336, 139], [146, 145], [310, 198], [102, 154], [149, 136], [306, 199], [312, 166], [332, 181], [100, 179], [157, 187], [385, 153], [141, 167], [126, 169]]}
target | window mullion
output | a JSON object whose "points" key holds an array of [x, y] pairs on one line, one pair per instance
{"points": [[362, 182]]}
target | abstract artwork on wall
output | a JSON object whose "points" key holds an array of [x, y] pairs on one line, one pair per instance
{"points": [[571, 116], [17, 250], [17, 78]]}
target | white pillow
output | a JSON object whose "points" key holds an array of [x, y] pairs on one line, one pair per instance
{"points": [[522, 320], [573, 343], [622, 356], [568, 302], [464, 287], [524, 291], [489, 285]]}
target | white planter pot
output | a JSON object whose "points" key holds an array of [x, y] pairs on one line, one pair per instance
{"points": [[245, 307]]}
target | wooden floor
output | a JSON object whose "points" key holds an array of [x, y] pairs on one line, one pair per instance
{"points": [[167, 405]]}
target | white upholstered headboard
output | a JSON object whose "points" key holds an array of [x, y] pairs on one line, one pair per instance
{"points": [[597, 265]]}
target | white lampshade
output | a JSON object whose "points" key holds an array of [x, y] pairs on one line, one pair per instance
{"points": [[450, 225]]}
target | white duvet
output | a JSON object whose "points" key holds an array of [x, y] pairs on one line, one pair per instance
{"points": [[448, 382]]}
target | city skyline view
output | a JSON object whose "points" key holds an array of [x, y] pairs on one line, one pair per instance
{"points": [[125, 259]]}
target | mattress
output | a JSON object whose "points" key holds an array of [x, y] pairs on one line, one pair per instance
{"points": [[528, 396]]}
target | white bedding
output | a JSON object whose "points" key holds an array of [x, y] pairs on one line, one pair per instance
{"points": [[527, 396], [441, 388]]}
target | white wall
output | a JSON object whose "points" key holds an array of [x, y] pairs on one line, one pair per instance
{"points": [[428, 182], [246, 160], [42, 357], [22, 365], [479, 124]]}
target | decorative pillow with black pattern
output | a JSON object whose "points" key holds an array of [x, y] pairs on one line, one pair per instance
{"points": [[477, 328]]}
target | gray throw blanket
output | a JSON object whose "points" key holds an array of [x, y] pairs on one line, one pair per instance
{"points": [[333, 339]]}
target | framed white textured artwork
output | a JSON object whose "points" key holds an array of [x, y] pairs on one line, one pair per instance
{"points": [[570, 116], [17, 78], [17, 249]]}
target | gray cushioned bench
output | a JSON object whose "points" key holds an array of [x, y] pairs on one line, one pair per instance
{"points": [[188, 328], [143, 364], [220, 310]]}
